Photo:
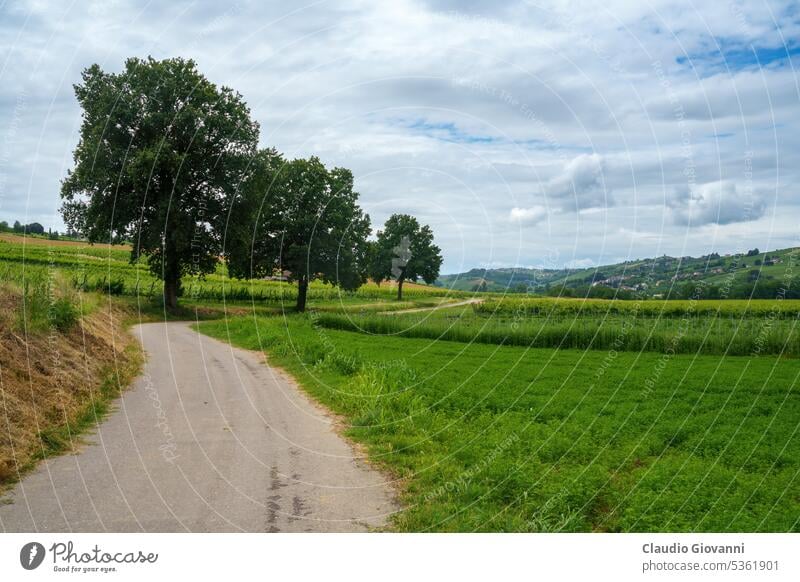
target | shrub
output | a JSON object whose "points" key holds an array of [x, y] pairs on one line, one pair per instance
{"points": [[116, 287], [63, 314]]}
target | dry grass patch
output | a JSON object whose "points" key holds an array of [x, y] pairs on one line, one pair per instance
{"points": [[56, 383]]}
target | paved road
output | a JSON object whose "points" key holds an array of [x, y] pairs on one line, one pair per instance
{"points": [[208, 439]]}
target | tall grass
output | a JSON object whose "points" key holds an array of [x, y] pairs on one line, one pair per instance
{"points": [[566, 307], [45, 304], [701, 335]]}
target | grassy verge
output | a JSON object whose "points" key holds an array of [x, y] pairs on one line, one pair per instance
{"points": [[495, 438]]}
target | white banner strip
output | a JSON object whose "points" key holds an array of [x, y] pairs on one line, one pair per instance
{"points": [[353, 557]]}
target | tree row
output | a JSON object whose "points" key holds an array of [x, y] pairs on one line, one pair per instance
{"points": [[170, 162]]}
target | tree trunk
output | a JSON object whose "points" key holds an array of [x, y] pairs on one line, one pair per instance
{"points": [[172, 274], [171, 287], [400, 289], [302, 291]]}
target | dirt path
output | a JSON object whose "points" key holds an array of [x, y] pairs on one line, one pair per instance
{"points": [[434, 308], [208, 439]]}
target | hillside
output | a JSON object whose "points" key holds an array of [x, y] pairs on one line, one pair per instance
{"points": [[758, 273]]}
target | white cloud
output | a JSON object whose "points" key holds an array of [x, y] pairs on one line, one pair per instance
{"points": [[717, 203], [528, 216], [580, 184]]}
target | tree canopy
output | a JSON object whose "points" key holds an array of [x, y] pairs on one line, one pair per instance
{"points": [[299, 219], [34, 228], [169, 162], [161, 151], [405, 252]]}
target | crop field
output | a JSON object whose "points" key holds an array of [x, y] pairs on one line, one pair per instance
{"points": [[107, 269], [503, 438], [515, 306], [597, 327]]}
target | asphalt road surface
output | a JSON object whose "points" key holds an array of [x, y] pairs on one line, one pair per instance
{"points": [[208, 439]]}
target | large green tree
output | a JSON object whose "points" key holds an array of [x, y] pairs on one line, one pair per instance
{"points": [[300, 219], [161, 152], [405, 252]]}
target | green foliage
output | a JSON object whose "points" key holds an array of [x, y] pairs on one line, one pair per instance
{"points": [[161, 149], [45, 306], [301, 219], [405, 251], [64, 314], [375, 272], [33, 228]]}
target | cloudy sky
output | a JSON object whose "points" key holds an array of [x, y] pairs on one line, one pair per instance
{"points": [[525, 133]]}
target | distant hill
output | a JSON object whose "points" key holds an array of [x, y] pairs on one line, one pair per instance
{"points": [[761, 274]]}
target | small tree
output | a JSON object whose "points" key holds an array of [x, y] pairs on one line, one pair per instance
{"points": [[161, 150], [17, 226], [406, 252], [300, 219], [33, 228]]}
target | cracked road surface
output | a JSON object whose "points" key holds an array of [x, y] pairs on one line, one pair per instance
{"points": [[208, 439]]}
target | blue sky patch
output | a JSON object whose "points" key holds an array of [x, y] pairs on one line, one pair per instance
{"points": [[445, 131], [723, 55]]}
